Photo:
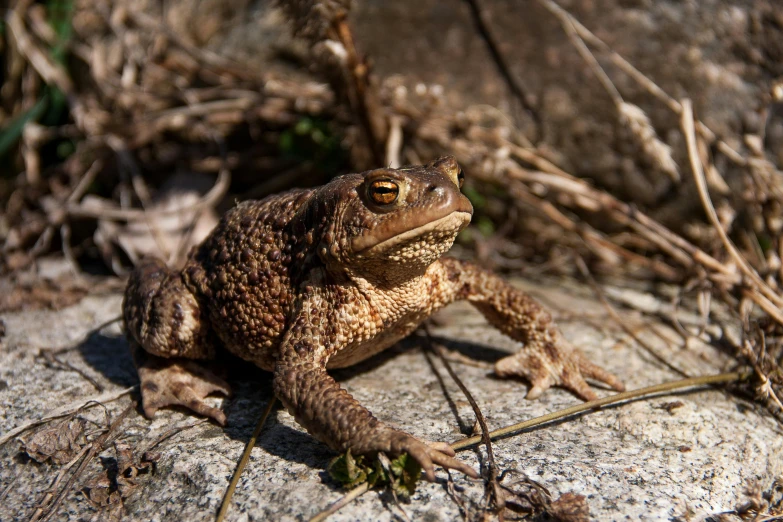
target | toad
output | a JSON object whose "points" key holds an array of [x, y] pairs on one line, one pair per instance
{"points": [[313, 279]]}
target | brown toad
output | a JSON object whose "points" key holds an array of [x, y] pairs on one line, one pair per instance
{"points": [[323, 278]]}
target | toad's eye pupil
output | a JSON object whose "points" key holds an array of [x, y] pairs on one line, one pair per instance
{"points": [[461, 178], [384, 192]]}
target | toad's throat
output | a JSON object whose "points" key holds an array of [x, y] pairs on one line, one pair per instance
{"points": [[451, 223]]}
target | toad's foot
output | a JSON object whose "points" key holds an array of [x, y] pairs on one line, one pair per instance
{"points": [[395, 442], [330, 413], [556, 365], [178, 382], [546, 359]]}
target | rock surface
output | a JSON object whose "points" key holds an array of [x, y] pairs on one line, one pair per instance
{"points": [[724, 55], [651, 459]]}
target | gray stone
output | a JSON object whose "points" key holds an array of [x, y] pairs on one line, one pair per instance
{"points": [[636, 461]]}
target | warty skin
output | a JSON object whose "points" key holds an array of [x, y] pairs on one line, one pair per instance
{"points": [[322, 278]]}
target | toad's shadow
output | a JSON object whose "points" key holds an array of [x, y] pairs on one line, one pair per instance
{"points": [[252, 389], [110, 356]]}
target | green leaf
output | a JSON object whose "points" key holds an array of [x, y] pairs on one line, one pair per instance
{"points": [[59, 14], [485, 226], [765, 243], [312, 140], [304, 126], [349, 471], [402, 476], [406, 472], [11, 134], [65, 148], [57, 109], [476, 198]]}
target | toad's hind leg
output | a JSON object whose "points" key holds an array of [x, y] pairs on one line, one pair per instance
{"points": [[177, 382], [164, 326]]}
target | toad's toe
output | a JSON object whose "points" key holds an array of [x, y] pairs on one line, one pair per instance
{"points": [[177, 382], [426, 454], [556, 365]]}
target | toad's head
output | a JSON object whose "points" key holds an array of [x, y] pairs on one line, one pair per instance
{"points": [[390, 223]]}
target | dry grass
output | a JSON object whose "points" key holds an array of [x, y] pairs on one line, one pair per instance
{"points": [[141, 98], [141, 103]]}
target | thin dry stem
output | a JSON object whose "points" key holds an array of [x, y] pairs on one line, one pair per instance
{"points": [[612, 399], [496, 496], [631, 115], [619, 320], [344, 501], [701, 184], [394, 142], [67, 410], [49, 495], [232, 485], [94, 449], [210, 199], [655, 149], [634, 73]]}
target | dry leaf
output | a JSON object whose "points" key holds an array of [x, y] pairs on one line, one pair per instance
{"points": [[168, 229], [570, 507], [42, 293], [59, 442], [107, 489]]}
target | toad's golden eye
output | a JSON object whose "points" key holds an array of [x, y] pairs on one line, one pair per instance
{"points": [[384, 191], [460, 178]]}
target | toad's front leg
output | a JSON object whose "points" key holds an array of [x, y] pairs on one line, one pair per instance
{"points": [[329, 413], [547, 359]]}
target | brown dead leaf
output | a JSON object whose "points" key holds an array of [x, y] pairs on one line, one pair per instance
{"points": [[102, 493], [760, 504], [107, 489], [525, 495], [774, 496], [113, 512], [42, 293], [570, 507], [130, 467], [124, 453], [58, 442], [671, 406], [167, 229], [101, 490]]}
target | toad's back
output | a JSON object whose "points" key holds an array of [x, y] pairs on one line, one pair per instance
{"points": [[242, 275]]}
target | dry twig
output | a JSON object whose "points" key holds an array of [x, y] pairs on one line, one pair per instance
{"points": [[349, 497], [232, 485], [495, 493], [44, 513], [605, 401], [580, 263], [66, 410], [724, 378]]}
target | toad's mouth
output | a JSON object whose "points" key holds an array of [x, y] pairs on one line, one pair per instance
{"points": [[450, 224]]}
